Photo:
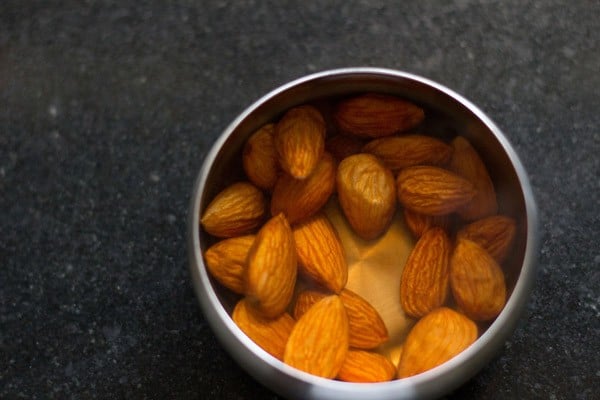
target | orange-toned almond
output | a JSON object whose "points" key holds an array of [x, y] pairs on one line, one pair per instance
{"points": [[300, 140], [424, 283], [376, 115], [495, 234], [366, 367], [299, 199], [237, 210], [270, 334], [366, 192], [418, 223], [342, 146], [226, 261], [367, 329], [259, 158], [432, 190], [477, 281], [467, 163], [320, 253], [399, 152], [272, 267], [318, 343], [436, 338]]}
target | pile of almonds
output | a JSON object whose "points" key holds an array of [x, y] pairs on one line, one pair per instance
{"points": [[276, 248]]}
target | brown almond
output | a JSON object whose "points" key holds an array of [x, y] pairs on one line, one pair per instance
{"points": [[237, 210], [436, 338], [272, 267], [318, 343], [376, 115], [495, 234], [477, 281], [259, 158], [300, 198], [320, 253], [226, 261], [424, 283], [366, 367], [342, 146], [419, 223], [432, 190], [366, 192], [300, 140]]}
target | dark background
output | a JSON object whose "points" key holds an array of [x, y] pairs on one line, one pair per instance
{"points": [[108, 108]]}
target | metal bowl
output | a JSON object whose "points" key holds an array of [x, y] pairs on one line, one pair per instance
{"points": [[450, 112]]}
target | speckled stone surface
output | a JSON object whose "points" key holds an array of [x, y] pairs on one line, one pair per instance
{"points": [[108, 108]]}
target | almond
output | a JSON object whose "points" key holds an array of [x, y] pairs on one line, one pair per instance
{"points": [[300, 140], [318, 343], [366, 367], [467, 163], [436, 338], [424, 283], [397, 152], [270, 334], [342, 146], [367, 329], [366, 193], [376, 115], [432, 190], [299, 199], [226, 261], [419, 223], [477, 281], [495, 234], [272, 267], [259, 158], [320, 253], [237, 210]]}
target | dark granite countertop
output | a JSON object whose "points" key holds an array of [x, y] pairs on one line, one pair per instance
{"points": [[107, 109]]}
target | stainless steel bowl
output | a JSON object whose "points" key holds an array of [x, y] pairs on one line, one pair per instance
{"points": [[455, 114]]}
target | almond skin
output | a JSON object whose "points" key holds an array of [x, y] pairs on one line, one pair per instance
{"points": [[342, 146], [424, 283], [467, 163], [419, 223], [226, 261], [259, 158], [366, 192], [320, 253], [397, 152], [376, 115], [318, 343], [366, 367], [495, 234], [272, 267], [300, 140], [477, 281], [435, 339], [299, 199], [237, 210], [367, 329], [270, 334], [432, 190]]}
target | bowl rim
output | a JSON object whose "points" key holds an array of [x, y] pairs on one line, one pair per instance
{"points": [[433, 382]]}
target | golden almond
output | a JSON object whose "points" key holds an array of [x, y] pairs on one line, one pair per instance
{"points": [[259, 158], [226, 261], [366, 367], [495, 234], [419, 223]]}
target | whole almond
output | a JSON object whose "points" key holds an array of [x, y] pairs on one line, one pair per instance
{"points": [[366, 367], [237, 210], [320, 253], [419, 223], [432, 190], [424, 283], [477, 281], [436, 338], [300, 198], [318, 343], [366, 192], [495, 234], [342, 146], [226, 261], [270, 334], [367, 329], [467, 163], [259, 158], [300, 140], [272, 267], [376, 115], [397, 152]]}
